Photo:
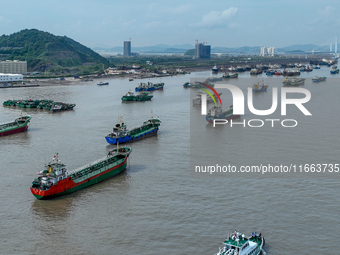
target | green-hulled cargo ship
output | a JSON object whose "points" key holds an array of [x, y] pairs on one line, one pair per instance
{"points": [[142, 96], [55, 180]]}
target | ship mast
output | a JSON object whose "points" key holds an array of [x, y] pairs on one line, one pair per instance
{"points": [[336, 47]]}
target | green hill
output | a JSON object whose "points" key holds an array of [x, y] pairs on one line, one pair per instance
{"points": [[46, 52]]}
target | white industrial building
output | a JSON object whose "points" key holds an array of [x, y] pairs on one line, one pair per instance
{"points": [[5, 77], [270, 51]]}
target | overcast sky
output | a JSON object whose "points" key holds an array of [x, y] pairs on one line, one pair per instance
{"points": [[226, 23]]}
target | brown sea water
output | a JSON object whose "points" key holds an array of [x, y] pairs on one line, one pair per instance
{"points": [[158, 205]]}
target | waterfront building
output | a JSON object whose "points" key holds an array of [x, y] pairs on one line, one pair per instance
{"points": [[202, 51], [10, 77], [13, 67], [127, 48]]}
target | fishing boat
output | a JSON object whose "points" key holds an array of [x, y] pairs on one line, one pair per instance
{"points": [[121, 134], [259, 87], [198, 99], [270, 72], [334, 69], [18, 125], [214, 79], [102, 83], [149, 86], [230, 75], [293, 81], [59, 106], [217, 113], [215, 69], [318, 78], [142, 96], [317, 67], [40, 104], [256, 71], [197, 85], [238, 244], [55, 180]]}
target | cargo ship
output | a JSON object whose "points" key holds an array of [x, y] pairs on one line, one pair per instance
{"points": [[142, 96], [230, 75], [17, 126], [260, 87], [121, 134], [55, 180], [293, 81], [319, 78], [238, 243]]}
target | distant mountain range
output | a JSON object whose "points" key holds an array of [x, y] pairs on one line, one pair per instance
{"points": [[163, 48]]}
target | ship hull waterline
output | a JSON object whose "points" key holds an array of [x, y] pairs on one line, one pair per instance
{"points": [[14, 131]]}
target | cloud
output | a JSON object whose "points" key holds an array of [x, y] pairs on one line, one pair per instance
{"points": [[325, 13], [217, 18], [180, 9]]}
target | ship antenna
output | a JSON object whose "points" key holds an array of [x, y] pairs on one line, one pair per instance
{"points": [[117, 147]]}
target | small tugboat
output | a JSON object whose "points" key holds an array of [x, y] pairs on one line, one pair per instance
{"points": [[317, 78], [142, 96], [238, 244], [217, 113], [293, 81], [334, 69], [102, 83], [121, 134], [17, 126], [55, 180], [259, 87]]}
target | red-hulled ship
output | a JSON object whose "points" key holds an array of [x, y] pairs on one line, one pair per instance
{"points": [[16, 126], [55, 180]]}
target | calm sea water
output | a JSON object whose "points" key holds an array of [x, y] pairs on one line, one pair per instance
{"points": [[158, 205]]}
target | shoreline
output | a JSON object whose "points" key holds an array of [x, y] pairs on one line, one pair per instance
{"points": [[35, 82]]}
